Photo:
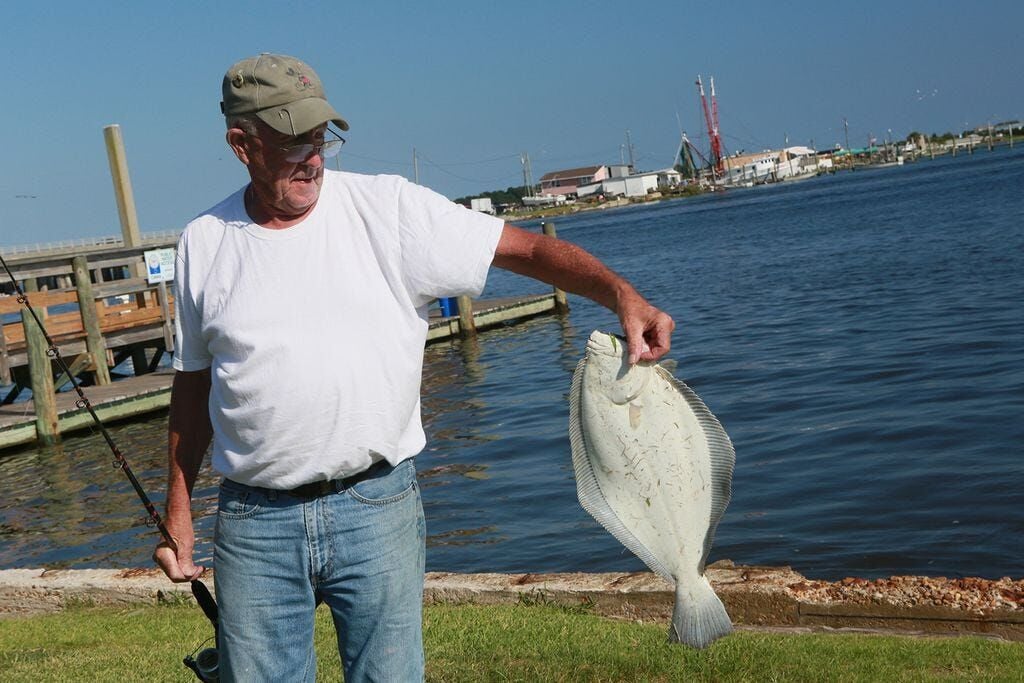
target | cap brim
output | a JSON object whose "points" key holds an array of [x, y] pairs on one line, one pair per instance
{"points": [[301, 116]]}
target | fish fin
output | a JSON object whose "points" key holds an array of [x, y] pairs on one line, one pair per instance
{"points": [[699, 617], [722, 456], [588, 490], [635, 411], [670, 364]]}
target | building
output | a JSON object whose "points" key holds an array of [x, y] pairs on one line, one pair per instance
{"points": [[565, 182], [637, 185], [772, 165], [482, 204]]}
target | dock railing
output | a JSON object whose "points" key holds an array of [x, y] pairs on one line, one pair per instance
{"points": [[95, 325], [87, 244]]}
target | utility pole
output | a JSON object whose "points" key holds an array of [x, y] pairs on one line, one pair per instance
{"points": [[415, 167], [629, 147], [846, 132]]}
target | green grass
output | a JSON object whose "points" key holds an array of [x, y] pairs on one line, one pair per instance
{"points": [[526, 642]]}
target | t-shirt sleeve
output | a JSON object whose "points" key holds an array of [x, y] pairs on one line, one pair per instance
{"points": [[191, 352], [447, 249]]}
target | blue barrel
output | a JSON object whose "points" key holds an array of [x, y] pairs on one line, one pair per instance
{"points": [[449, 306]]}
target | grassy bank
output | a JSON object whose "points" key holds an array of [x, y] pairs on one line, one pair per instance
{"points": [[513, 643]]}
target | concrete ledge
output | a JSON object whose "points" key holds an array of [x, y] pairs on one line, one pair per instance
{"points": [[756, 597]]}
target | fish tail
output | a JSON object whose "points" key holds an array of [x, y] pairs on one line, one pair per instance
{"points": [[699, 617]]}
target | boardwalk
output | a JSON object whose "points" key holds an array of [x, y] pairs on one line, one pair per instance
{"points": [[126, 398], [137, 395]]}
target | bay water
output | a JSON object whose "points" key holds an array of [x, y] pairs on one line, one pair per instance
{"points": [[860, 336]]}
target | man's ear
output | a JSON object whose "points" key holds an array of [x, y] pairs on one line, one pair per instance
{"points": [[238, 141]]}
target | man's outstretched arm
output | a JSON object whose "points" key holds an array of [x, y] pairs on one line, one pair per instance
{"points": [[566, 266]]}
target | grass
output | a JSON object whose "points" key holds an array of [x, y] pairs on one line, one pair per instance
{"points": [[526, 642]]}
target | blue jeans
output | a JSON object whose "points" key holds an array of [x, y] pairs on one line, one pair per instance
{"points": [[360, 551]]}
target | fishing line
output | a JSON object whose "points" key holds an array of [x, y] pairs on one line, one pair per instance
{"points": [[204, 665]]}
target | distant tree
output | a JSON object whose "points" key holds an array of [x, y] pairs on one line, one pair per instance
{"points": [[510, 195]]}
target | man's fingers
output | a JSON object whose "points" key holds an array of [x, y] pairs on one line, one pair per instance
{"points": [[177, 569], [660, 339]]}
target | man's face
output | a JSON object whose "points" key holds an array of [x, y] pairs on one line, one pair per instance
{"points": [[284, 189]]}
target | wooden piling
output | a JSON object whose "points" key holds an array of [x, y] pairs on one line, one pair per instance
{"points": [[122, 185], [467, 326], [5, 364], [561, 303], [165, 312], [41, 378], [90, 320], [125, 199]]}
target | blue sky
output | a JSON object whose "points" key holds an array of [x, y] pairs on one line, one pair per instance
{"points": [[471, 86]]}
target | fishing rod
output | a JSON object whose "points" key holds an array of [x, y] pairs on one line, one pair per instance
{"points": [[203, 664]]}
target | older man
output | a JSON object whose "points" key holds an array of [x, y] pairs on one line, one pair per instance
{"points": [[319, 499]]}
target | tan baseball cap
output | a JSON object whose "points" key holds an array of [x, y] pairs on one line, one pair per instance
{"points": [[284, 92]]}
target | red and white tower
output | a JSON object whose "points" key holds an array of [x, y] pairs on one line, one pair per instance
{"points": [[711, 117]]}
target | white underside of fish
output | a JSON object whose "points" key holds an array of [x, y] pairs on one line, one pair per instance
{"points": [[654, 467]]}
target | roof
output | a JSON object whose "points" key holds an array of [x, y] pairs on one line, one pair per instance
{"points": [[571, 173]]}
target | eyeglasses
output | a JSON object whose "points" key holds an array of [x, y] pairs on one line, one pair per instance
{"points": [[295, 154]]}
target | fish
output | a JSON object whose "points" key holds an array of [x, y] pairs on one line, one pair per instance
{"points": [[654, 467]]}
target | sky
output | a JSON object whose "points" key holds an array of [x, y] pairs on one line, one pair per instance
{"points": [[471, 87]]}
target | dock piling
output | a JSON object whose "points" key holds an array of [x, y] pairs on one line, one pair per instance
{"points": [[561, 303], [41, 377], [90, 320], [5, 363], [165, 311], [467, 326], [130, 232]]}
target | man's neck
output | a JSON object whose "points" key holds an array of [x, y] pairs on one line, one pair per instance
{"points": [[259, 214]]}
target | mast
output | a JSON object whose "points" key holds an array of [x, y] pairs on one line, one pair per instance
{"points": [[711, 117], [527, 173], [684, 158]]}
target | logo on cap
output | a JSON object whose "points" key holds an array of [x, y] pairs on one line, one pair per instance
{"points": [[303, 83]]}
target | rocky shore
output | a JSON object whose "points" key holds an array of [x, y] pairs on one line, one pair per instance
{"points": [[755, 597]]}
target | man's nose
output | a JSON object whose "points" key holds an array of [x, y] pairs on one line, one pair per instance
{"points": [[315, 158]]}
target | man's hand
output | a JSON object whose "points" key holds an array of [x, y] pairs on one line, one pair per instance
{"points": [[648, 330], [568, 267], [176, 562]]}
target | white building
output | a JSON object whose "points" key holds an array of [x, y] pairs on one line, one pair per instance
{"points": [[482, 204], [771, 165], [638, 185]]}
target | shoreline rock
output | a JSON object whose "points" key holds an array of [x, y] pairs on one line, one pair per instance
{"points": [[755, 597]]}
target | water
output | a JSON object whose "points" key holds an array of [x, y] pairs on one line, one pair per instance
{"points": [[859, 336]]}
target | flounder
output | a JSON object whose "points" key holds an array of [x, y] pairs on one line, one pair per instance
{"points": [[654, 467]]}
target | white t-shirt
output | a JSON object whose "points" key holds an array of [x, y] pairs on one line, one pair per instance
{"points": [[314, 334]]}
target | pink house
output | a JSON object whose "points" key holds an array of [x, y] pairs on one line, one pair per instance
{"points": [[566, 182]]}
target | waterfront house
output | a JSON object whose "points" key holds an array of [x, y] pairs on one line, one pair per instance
{"points": [[566, 182]]}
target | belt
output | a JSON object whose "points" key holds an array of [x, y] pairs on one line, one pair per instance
{"points": [[325, 487]]}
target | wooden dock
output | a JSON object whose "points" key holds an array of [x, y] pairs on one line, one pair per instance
{"points": [[115, 401], [99, 309], [141, 394]]}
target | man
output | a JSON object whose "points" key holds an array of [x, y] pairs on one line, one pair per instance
{"points": [[301, 319]]}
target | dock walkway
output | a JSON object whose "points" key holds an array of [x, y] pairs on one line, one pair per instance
{"points": [[140, 394]]}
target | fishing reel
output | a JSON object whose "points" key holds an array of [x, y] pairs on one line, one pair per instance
{"points": [[205, 662]]}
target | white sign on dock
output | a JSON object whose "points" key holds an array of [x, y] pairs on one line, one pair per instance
{"points": [[160, 265]]}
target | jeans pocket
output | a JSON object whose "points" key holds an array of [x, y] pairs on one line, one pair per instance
{"points": [[390, 486], [237, 501]]}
